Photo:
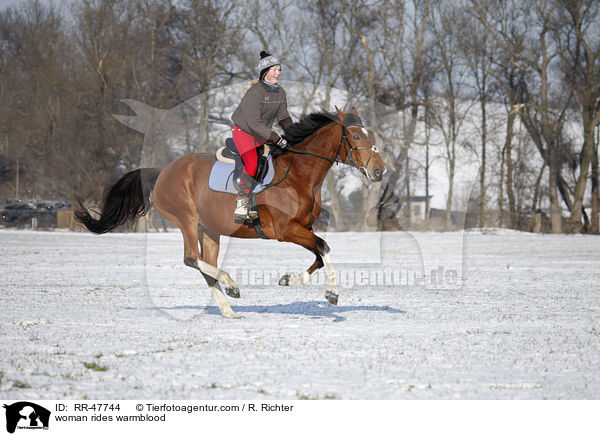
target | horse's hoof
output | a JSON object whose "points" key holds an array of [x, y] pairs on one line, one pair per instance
{"points": [[284, 280], [231, 315], [331, 297], [233, 292]]}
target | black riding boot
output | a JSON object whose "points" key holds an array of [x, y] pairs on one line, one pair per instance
{"points": [[244, 184]]}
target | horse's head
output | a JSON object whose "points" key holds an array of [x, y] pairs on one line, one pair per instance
{"points": [[358, 147]]}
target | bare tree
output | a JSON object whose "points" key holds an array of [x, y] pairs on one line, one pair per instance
{"points": [[479, 51], [402, 62], [578, 26], [34, 46], [595, 224], [526, 31], [451, 108], [365, 72], [412, 77]]}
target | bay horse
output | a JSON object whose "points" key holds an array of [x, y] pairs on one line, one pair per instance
{"points": [[287, 210]]}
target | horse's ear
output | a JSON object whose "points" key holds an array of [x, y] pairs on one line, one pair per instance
{"points": [[341, 115], [354, 111]]}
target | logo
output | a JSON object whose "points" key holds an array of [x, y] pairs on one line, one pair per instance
{"points": [[25, 415]]}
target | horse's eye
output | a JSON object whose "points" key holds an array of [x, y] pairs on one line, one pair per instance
{"points": [[356, 138]]}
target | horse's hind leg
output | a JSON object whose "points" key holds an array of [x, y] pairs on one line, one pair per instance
{"points": [[191, 257], [209, 243], [209, 271], [210, 252], [303, 278]]}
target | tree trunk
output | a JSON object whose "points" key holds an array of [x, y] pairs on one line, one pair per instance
{"points": [[336, 205], [448, 222], [408, 193], [575, 225], [371, 196], [427, 184], [409, 136], [509, 171], [501, 194], [555, 209], [537, 191], [482, 172], [595, 224]]}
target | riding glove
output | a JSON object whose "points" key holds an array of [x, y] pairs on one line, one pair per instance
{"points": [[282, 143], [278, 140]]}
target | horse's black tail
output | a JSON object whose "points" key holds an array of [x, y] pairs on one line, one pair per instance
{"points": [[129, 198]]}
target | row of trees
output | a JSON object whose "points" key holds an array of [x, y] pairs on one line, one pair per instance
{"points": [[510, 87]]}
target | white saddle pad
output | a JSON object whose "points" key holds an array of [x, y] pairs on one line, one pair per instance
{"points": [[221, 177]]}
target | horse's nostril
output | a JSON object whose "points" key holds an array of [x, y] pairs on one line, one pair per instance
{"points": [[377, 172]]}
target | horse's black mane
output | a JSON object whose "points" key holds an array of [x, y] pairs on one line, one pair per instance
{"points": [[309, 124]]}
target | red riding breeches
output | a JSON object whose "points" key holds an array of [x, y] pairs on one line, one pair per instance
{"points": [[246, 145]]}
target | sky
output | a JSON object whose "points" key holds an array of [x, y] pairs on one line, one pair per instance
{"points": [[5, 3]]}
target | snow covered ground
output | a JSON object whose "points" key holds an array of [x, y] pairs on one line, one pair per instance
{"points": [[503, 315]]}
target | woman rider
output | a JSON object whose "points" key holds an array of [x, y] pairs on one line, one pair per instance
{"points": [[263, 103]]}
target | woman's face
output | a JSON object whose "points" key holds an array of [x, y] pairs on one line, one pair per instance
{"points": [[272, 75]]}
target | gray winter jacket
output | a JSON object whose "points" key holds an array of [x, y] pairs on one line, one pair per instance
{"points": [[260, 107]]}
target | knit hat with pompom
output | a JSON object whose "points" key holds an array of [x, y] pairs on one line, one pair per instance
{"points": [[266, 61]]}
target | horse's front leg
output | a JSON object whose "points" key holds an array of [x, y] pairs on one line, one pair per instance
{"points": [[333, 292], [306, 238]]}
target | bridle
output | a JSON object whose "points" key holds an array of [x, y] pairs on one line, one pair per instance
{"points": [[348, 148]]}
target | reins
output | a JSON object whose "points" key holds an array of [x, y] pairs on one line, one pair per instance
{"points": [[270, 185], [347, 147]]}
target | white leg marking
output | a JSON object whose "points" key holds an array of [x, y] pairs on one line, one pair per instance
{"points": [[224, 305], [299, 279], [332, 278], [217, 274]]}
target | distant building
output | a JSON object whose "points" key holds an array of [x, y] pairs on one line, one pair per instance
{"points": [[418, 207]]}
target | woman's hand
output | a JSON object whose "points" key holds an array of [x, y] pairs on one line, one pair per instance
{"points": [[278, 140], [282, 143]]}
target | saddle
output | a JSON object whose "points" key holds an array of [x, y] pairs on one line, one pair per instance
{"points": [[230, 155], [227, 169]]}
